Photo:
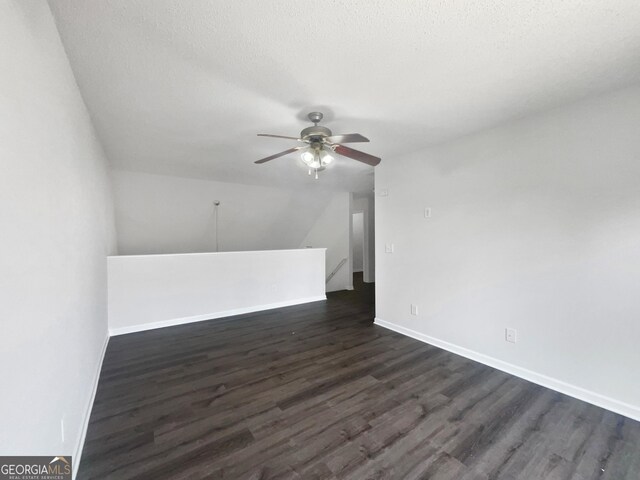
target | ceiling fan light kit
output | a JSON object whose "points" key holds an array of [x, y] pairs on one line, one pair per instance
{"points": [[316, 157], [322, 146]]}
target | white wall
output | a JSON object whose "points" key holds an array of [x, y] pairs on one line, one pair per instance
{"points": [[357, 241], [535, 226], [332, 230], [164, 214], [56, 230], [152, 291]]}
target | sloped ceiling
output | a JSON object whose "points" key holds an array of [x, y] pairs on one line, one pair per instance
{"points": [[182, 87]]}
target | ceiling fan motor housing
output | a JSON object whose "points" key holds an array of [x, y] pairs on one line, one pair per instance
{"points": [[315, 133]]}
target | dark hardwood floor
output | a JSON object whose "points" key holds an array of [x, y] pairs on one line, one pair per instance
{"points": [[318, 392]]}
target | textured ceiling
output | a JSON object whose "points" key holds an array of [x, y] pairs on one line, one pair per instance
{"points": [[182, 87]]}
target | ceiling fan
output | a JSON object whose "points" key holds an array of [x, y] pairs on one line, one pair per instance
{"points": [[320, 146]]}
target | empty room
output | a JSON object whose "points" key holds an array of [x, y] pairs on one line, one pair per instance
{"points": [[338, 240]]}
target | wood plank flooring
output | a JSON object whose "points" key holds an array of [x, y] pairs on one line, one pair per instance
{"points": [[318, 392]]}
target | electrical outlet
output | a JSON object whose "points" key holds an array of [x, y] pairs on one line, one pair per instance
{"points": [[427, 213], [510, 335], [388, 248], [414, 309]]}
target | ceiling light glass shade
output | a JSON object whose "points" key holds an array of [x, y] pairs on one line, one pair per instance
{"points": [[325, 157], [310, 157], [307, 156]]}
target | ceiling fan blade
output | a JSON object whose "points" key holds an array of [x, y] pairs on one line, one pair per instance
{"points": [[281, 154], [279, 136], [347, 138], [357, 155]]}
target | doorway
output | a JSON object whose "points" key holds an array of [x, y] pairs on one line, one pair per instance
{"points": [[357, 244], [362, 239]]}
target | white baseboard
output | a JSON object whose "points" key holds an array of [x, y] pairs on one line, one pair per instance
{"points": [[77, 454], [210, 316], [580, 393], [341, 289]]}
